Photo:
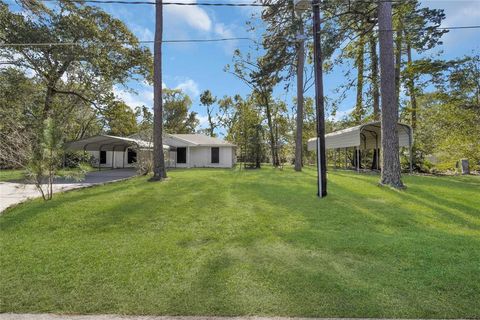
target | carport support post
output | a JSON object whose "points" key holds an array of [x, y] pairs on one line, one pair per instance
{"points": [[357, 154], [113, 156], [410, 159], [410, 155], [335, 158], [123, 160]]}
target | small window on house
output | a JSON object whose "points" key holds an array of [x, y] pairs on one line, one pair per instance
{"points": [[215, 155], [181, 155], [103, 157], [131, 156]]}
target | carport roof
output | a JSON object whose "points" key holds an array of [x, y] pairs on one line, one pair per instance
{"points": [[108, 143], [365, 136]]}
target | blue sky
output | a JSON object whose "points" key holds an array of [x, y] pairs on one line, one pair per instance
{"points": [[195, 67]]}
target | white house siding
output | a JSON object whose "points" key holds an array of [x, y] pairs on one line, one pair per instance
{"points": [[197, 155], [201, 157], [118, 159]]}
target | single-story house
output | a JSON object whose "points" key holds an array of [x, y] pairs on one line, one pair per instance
{"points": [[199, 150], [181, 150]]}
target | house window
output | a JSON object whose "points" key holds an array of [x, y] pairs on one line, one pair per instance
{"points": [[181, 155], [131, 156], [103, 157], [215, 155]]}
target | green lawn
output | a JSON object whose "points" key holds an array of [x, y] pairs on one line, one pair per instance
{"points": [[19, 174], [230, 242], [8, 174]]}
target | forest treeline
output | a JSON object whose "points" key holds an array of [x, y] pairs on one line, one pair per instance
{"points": [[50, 94]]}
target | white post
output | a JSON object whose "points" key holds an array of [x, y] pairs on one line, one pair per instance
{"points": [[357, 151]]}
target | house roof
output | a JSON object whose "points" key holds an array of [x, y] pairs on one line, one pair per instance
{"points": [[365, 136], [108, 143], [199, 139]]}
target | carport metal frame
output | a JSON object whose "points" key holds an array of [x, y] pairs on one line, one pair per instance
{"points": [[356, 149]]}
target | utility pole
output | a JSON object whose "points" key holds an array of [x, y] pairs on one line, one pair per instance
{"points": [[299, 119], [319, 102]]}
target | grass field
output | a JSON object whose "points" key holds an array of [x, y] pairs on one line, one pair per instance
{"points": [[8, 175], [230, 242], [19, 174]]}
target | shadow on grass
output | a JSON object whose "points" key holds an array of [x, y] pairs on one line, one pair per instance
{"points": [[69, 199]]}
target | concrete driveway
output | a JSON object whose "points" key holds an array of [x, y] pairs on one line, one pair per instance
{"points": [[12, 193]]}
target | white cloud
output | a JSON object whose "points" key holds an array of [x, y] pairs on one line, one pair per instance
{"points": [[143, 97], [202, 121], [143, 33], [189, 86], [193, 16], [221, 30]]}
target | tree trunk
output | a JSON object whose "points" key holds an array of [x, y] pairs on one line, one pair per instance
{"points": [[413, 101], [271, 132], [360, 66], [159, 171], [210, 122], [391, 161], [300, 66], [374, 78], [398, 60], [411, 89], [47, 108]]}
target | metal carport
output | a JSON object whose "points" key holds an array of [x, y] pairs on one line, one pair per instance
{"points": [[109, 143], [364, 137]]}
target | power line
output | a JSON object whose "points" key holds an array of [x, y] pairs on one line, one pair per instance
{"points": [[214, 4], [41, 44], [167, 3]]}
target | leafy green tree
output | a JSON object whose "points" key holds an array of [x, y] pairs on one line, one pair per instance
{"points": [[96, 52], [46, 159], [417, 28], [448, 119], [21, 105], [246, 131], [228, 112], [207, 99], [177, 117], [100, 50], [261, 76], [120, 119], [146, 118]]}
